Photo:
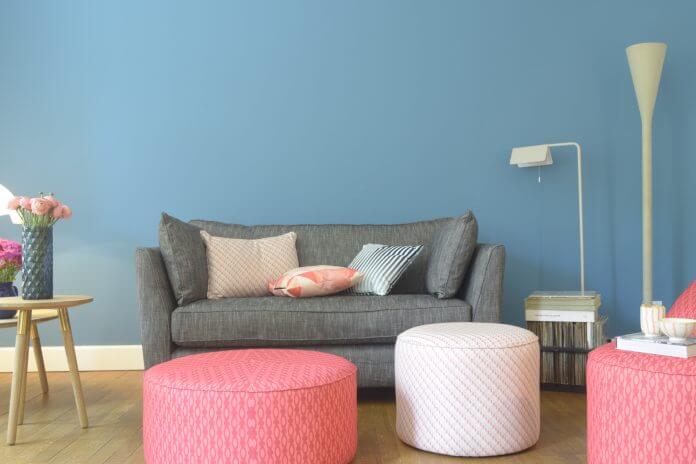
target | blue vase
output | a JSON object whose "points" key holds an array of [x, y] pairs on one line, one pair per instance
{"points": [[7, 289], [37, 265]]}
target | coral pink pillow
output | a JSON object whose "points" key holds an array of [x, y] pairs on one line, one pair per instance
{"points": [[305, 282], [685, 306]]}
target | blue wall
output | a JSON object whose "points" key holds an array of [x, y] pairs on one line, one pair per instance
{"points": [[361, 111]]}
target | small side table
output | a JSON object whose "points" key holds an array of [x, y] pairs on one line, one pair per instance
{"points": [[26, 328]]}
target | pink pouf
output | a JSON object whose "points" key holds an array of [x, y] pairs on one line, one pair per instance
{"points": [[641, 408], [251, 406]]}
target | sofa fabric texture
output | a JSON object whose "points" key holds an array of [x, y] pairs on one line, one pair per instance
{"points": [[467, 389], [157, 301], [243, 268], [260, 406], [452, 247], [176, 319], [338, 244], [184, 251], [340, 319], [184, 256]]}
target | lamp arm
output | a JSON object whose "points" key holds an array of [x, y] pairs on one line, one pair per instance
{"points": [[580, 213]]}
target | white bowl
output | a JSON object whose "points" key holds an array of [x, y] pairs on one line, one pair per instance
{"points": [[677, 329]]}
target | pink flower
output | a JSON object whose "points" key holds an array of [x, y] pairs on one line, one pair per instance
{"points": [[13, 204], [25, 203], [66, 212], [9, 245], [10, 258], [41, 206], [52, 199], [57, 212]]}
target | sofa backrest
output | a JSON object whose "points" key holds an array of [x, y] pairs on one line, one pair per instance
{"points": [[339, 243]]}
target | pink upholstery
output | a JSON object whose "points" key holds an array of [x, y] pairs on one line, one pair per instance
{"points": [[251, 406], [685, 306], [641, 408]]}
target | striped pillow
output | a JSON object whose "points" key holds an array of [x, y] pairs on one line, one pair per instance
{"points": [[382, 266]]}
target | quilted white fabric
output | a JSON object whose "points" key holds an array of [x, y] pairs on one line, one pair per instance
{"points": [[467, 388]]}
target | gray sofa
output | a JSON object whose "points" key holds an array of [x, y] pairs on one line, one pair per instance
{"points": [[362, 329]]}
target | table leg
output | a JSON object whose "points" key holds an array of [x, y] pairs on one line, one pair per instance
{"points": [[25, 369], [23, 322], [72, 364], [38, 357]]}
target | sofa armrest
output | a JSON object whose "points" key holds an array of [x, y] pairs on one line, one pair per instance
{"points": [[156, 300], [483, 285]]}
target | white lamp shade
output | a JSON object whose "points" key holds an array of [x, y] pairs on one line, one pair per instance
{"points": [[5, 197], [534, 155]]}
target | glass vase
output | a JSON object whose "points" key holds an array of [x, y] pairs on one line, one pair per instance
{"points": [[37, 269]]}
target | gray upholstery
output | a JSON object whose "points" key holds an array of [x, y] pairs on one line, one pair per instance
{"points": [[375, 362], [156, 305], [337, 244], [184, 256], [451, 249], [337, 320], [184, 253], [483, 286], [361, 329]]}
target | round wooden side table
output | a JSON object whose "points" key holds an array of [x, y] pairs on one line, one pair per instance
{"points": [[31, 312]]}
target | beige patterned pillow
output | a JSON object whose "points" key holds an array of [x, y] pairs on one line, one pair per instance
{"points": [[242, 268]]}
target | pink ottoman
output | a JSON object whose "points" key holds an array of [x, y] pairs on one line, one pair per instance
{"points": [[251, 406], [641, 408]]}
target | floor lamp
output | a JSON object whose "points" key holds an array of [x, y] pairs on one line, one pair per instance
{"points": [[540, 155], [645, 61]]}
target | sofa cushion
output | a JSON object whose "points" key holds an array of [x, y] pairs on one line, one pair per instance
{"points": [[312, 281], [337, 245], [382, 266], [451, 250], [273, 321], [184, 257], [239, 268]]}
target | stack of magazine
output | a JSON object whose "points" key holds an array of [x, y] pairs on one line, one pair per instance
{"points": [[657, 345], [568, 325]]}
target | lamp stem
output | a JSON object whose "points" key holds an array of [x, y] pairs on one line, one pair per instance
{"points": [[580, 221], [647, 210], [581, 227]]}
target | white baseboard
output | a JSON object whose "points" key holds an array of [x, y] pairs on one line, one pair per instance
{"points": [[89, 358]]}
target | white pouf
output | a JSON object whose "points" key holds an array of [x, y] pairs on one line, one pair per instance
{"points": [[468, 388]]}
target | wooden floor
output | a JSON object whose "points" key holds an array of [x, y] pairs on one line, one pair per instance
{"points": [[51, 433]]}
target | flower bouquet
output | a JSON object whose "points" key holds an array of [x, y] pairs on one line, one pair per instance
{"points": [[38, 215], [10, 265]]}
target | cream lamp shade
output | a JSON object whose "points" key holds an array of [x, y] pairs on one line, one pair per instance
{"points": [[5, 197], [535, 155], [646, 61]]}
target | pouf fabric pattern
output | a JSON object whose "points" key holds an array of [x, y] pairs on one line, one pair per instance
{"points": [[641, 408], [468, 389], [251, 406]]}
